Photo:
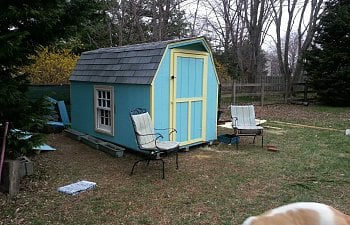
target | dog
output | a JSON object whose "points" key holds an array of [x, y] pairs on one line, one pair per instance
{"points": [[300, 213]]}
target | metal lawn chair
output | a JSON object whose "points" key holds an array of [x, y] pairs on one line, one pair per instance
{"points": [[150, 141], [243, 122]]}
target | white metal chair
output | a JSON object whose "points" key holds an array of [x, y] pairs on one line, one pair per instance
{"points": [[150, 141], [243, 122]]}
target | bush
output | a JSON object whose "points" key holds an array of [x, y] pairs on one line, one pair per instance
{"points": [[51, 66]]}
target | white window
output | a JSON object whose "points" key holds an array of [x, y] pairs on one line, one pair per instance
{"points": [[104, 105]]}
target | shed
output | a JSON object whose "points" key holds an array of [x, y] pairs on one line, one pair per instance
{"points": [[174, 80]]}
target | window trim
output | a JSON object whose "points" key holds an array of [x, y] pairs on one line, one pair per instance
{"points": [[98, 125]]}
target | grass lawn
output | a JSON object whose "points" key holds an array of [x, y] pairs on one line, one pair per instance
{"points": [[214, 185]]}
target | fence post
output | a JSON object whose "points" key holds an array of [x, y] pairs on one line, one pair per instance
{"points": [[262, 93], [305, 92]]}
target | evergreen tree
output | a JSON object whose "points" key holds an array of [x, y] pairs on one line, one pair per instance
{"points": [[24, 25], [327, 63]]}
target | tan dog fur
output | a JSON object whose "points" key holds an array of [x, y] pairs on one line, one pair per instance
{"points": [[301, 213]]}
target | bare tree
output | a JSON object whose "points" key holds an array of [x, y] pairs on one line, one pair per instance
{"points": [[165, 13], [306, 34], [294, 13], [240, 27], [257, 17], [192, 28], [221, 18]]}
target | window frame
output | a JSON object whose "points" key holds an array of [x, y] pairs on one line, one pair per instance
{"points": [[100, 127]]}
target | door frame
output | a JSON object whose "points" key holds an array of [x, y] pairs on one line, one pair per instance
{"points": [[174, 53]]}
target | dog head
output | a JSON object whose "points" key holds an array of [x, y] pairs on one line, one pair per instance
{"points": [[302, 213]]}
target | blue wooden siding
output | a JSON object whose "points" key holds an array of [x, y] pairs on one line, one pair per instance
{"points": [[212, 101], [162, 95], [82, 110], [126, 98], [161, 104], [182, 122], [196, 119], [189, 85]]}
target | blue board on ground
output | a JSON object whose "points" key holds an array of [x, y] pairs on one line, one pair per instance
{"points": [[22, 135], [54, 101], [63, 112], [55, 124], [78, 187], [44, 147]]}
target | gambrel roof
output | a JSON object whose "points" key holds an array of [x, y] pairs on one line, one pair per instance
{"points": [[135, 64], [131, 64], [127, 64]]}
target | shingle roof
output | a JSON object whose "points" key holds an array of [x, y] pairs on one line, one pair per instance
{"points": [[136, 64]]}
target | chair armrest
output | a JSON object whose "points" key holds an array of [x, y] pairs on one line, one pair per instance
{"points": [[158, 135], [171, 130], [155, 134]]}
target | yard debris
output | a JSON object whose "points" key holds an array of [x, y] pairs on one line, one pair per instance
{"points": [[228, 124], [228, 139], [271, 127], [306, 126], [26, 166], [271, 148], [25, 135], [59, 118], [44, 147], [78, 187]]}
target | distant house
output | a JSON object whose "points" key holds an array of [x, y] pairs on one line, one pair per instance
{"points": [[175, 81]]}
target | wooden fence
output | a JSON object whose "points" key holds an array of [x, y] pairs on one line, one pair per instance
{"points": [[58, 92], [250, 89], [272, 87]]}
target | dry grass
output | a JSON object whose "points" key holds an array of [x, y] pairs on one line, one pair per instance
{"points": [[214, 185]]}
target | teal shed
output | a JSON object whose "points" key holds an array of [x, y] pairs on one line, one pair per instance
{"points": [[175, 81]]}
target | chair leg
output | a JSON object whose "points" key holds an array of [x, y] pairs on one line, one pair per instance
{"points": [[157, 158], [133, 167]]}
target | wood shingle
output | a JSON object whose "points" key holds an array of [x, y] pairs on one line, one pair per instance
{"points": [[135, 64]]}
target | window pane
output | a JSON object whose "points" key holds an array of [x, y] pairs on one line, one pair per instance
{"points": [[104, 109], [101, 120]]}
